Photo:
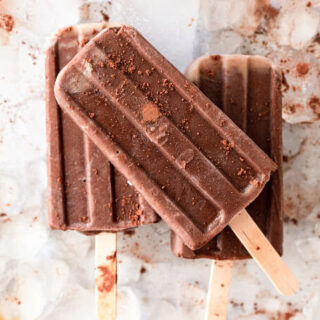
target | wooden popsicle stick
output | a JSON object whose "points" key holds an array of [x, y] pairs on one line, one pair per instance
{"points": [[106, 276], [218, 291], [263, 253]]}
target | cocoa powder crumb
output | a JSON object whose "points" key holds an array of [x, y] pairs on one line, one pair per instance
{"points": [[105, 17], [143, 270], [221, 123], [83, 42], [241, 172]]}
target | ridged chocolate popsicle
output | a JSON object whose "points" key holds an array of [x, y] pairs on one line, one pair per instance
{"points": [[85, 192], [247, 89], [175, 146]]}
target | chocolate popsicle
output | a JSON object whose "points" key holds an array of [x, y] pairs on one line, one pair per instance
{"points": [[85, 192], [176, 147], [247, 89]]}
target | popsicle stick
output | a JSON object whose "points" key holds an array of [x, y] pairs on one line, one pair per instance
{"points": [[218, 291], [106, 276], [263, 253]]}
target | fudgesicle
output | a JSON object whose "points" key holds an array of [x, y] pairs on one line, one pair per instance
{"points": [[85, 192], [178, 149], [247, 89]]}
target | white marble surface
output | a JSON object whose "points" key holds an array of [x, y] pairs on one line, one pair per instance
{"points": [[48, 275]]}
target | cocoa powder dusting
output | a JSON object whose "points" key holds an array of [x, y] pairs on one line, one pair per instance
{"points": [[287, 315]]}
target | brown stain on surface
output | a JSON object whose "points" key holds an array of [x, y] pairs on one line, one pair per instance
{"points": [[129, 232], [6, 22], [302, 68], [112, 257], [293, 108], [314, 104], [279, 315], [272, 12], [106, 280], [135, 250]]}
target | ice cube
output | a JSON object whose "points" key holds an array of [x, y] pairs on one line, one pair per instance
{"points": [[301, 172], [76, 243], [10, 194], [220, 14], [76, 303], [295, 26], [191, 300], [312, 309], [301, 88], [22, 237], [129, 269], [293, 137], [28, 287], [128, 305], [309, 249]]}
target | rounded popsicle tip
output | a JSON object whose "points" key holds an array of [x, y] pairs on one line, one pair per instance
{"points": [[290, 286]]}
